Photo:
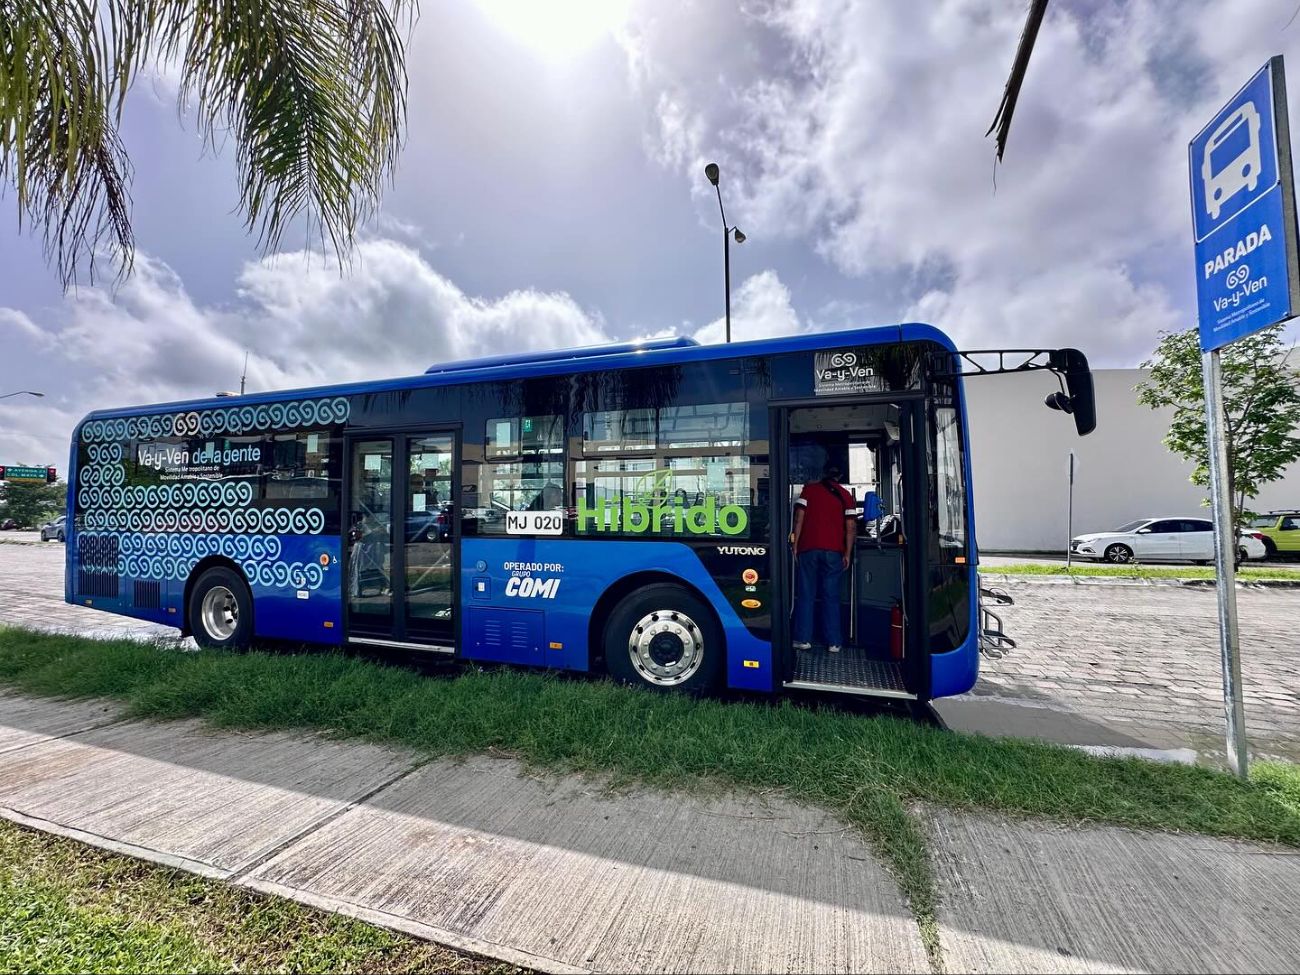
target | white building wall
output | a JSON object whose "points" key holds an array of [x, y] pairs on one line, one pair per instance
{"points": [[1020, 457]]}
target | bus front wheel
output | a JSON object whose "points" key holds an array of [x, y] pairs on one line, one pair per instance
{"points": [[665, 637], [221, 610]]}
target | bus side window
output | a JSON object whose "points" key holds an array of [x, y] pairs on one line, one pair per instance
{"points": [[523, 471]]}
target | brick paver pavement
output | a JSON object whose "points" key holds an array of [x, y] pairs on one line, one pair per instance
{"points": [[31, 594], [1149, 655]]}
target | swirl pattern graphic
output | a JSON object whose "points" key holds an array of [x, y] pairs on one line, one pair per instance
{"points": [[186, 494], [161, 531], [262, 521], [234, 421], [173, 557]]}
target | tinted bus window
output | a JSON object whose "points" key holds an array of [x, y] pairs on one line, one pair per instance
{"points": [[712, 425], [524, 470], [300, 467], [614, 431], [517, 436], [696, 483], [950, 484]]}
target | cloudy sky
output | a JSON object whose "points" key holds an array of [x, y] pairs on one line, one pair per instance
{"points": [[551, 193]]}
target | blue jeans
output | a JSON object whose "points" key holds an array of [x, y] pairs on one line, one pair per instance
{"points": [[818, 574]]}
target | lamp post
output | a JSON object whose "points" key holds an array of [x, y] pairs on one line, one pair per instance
{"points": [[712, 172], [21, 392]]}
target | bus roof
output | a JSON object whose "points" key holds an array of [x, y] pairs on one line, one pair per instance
{"points": [[562, 355], [625, 355]]}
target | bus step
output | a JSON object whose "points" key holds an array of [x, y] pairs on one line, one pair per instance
{"points": [[850, 671], [401, 644]]}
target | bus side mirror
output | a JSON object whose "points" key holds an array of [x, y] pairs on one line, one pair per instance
{"points": [[1079, 399], [1058, 401]]}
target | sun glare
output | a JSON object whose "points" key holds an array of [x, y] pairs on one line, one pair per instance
{"points": [[557, 29]]}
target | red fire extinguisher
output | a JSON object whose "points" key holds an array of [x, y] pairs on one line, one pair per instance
{"points": [[896, 632]]}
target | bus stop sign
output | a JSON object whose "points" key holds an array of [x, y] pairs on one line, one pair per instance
{"points": [[1243, 213], [1243, 219]]}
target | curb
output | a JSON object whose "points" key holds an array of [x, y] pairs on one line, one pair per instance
{"points": [[450, 939], [1045, 580]]}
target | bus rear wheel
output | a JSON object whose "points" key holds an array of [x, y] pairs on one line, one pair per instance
{"points": [[664, 637], [220, 612]]}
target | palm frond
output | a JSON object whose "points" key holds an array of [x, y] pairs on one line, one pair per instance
{"points": [[59, 145], [1011, 93], [311, 92], [314, 94]]}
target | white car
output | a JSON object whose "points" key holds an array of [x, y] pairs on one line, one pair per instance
{"points": [[1161, 540], [54, 530]]}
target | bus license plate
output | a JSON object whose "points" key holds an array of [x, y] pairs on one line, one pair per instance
{"points": [[535, 522]]}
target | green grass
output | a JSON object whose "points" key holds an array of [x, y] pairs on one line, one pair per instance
{"points": [[1281, 780], [1245, 573], [866, 770], [65, 907]]}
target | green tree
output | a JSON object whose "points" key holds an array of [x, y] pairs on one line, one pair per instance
{"points": [[30, 505], [1261, 400], [311, 93]]}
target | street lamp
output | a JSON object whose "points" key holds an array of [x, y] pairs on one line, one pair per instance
{"points": [[712, 172], [21, 392]]}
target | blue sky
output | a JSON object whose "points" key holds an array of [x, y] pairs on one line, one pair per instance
{"points": [[551, 193]]}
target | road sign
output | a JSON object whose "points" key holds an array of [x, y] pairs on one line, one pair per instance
{"points": [[26, 474], [1243, 213], [1247, 278]]}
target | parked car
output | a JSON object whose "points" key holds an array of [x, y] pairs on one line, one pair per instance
{"points": [[8, 525], [1162, 540], [54, 529], [430, 525], [1280, 532]]}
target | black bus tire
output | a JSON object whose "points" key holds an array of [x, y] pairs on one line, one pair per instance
{"points": [[665, 637], [220, 611]]}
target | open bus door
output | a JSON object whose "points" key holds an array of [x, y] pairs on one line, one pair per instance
{"points": [[886, 592], [876, 444]]}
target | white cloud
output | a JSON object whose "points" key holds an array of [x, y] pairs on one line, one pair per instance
{"points": [[761, 308], [21, 323], [386, 225], [858, 128], [302, 321]]}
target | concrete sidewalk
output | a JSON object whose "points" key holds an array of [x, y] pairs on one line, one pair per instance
{"points": [[557, 874], [549, 873]]}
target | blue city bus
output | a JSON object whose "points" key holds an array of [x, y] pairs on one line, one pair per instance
{"points": [[623, 509]]}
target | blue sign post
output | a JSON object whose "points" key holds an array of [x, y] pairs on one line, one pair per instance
{"points": [[1243, 213], [1247, 278]]}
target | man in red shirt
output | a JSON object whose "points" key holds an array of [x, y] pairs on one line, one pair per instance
{"points": [[825, 522]]}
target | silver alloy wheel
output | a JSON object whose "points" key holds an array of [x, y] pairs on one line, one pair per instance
{"points": [[666, 647], [1118, 554], [220, 613]]}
